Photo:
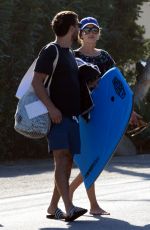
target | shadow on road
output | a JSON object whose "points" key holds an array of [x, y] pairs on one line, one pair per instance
{"points": [[128, 172], [30, 167], [124, 167], [116, 165], [101, 223]]}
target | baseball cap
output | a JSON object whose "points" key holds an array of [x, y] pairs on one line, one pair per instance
{"points": [[87, 21]]}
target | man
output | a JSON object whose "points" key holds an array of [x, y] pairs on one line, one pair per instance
{"points": [[63, 106]]}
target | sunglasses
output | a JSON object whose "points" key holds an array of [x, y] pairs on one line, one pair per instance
{"points": [[94, 30]]}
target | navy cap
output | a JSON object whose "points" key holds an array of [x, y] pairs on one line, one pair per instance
{"points": [[87, 21]]}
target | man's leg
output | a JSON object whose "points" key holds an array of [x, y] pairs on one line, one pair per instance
{"points": [[54, 201], [63, 165], [56, 195]]}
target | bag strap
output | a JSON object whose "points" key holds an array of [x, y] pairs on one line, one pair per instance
{"points": [[54, 67]]}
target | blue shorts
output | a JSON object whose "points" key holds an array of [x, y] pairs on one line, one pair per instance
{"points": [[65, 135]]}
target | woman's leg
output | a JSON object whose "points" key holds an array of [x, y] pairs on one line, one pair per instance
{"points": [[95, 209], [75, 184]]}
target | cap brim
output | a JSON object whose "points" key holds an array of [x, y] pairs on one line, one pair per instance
{"points": [[90, 24]]}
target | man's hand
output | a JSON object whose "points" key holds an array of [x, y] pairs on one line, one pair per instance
{"points": [[41, 92], [55, 115]]}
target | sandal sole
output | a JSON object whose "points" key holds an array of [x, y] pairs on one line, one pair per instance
{"points": [[76, 215]]}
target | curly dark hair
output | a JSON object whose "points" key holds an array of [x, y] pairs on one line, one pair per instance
{"points": [[62, 22]]}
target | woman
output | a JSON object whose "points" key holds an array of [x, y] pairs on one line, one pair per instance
{"points": [[89, 35]]}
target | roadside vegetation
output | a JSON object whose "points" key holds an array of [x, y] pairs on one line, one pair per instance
{"points": [[25, 29]]}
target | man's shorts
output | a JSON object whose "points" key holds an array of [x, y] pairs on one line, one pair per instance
{"points": [[65, 135]]}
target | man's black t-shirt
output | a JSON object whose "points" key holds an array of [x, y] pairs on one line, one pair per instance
{"points": [[65, 87]]}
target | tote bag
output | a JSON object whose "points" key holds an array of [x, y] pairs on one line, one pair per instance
{"points": [[31, 118]]}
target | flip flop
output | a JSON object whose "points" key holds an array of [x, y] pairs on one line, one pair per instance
{"points": [[58, 215], [74, 213], [100, 213]]}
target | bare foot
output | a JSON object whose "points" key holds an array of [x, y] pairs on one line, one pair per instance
{"points": [[51, 210], [98, 211]]}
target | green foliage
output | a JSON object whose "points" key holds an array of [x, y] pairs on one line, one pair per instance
{"points": [[146, 49], [122, 37], [25, 28]]}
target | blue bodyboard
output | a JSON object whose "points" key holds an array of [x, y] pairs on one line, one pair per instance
{"points": [[109, 118]]}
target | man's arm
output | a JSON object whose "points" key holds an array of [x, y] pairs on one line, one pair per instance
{"points": [[37, 83]]}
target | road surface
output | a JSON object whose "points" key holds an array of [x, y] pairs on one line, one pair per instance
{"points": [[123, 189]]}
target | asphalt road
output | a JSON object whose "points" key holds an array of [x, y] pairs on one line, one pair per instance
{"points": [[123, 189]]}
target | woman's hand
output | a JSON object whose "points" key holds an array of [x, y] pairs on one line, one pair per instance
{"points": [[134, 120]]}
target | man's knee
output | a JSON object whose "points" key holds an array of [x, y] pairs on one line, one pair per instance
{"points": [[62, 157]]}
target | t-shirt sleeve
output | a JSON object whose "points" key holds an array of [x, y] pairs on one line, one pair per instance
{"points": [[45, 60], [110, 60]]}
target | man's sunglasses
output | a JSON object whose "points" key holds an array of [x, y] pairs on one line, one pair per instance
{"points": [[94, 30]]}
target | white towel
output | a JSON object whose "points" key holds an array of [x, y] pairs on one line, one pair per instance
{"points": [[26, 81]]}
